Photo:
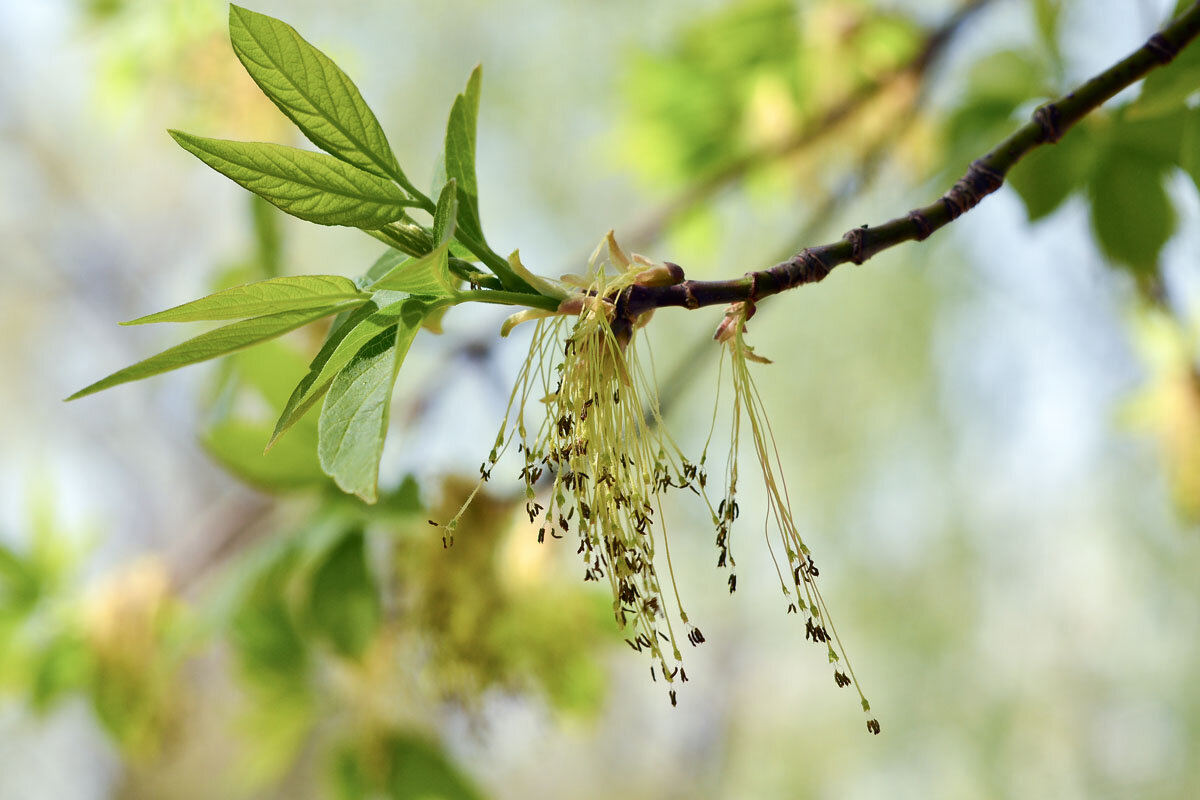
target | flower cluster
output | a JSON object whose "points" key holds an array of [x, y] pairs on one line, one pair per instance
{"points": [[600, 460], [798, 582]]}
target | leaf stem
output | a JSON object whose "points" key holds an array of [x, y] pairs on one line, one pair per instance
{"points": [[509, 298]]}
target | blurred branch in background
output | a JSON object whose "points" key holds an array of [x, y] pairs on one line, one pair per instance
{"points": [[655, 223]]}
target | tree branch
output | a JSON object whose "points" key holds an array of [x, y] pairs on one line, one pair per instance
{"points": [[984, 176]]}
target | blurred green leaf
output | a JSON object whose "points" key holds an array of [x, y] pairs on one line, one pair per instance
{"points": [[312, 186], [419, 770], [270, 649], [292, 464], [262, 297], [1046, 15], [343, 598], [225, 339], [1048, 175], [1131, 213], [64, 666], [460, 154], [353, 422], [312, 91]]}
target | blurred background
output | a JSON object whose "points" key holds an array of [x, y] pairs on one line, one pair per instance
{"points": [[991, 439]]}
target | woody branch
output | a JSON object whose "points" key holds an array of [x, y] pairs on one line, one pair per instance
{"points": [[984, 176]]}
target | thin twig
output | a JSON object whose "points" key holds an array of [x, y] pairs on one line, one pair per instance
{"points": [[984, 176]]}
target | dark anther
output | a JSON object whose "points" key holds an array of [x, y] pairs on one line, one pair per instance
{"points": [[1163, 50], [813, 567], [732, 584], [431, 522], [673, 705], [856, 236], [651, 671], [841, 679], [1049, 118], [791, 608], [873, 726], [682, 675]]}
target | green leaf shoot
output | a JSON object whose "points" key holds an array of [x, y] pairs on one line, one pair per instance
{"points": [[312, 186]]}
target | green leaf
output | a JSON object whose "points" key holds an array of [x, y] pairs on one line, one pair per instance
{"points": [[339, 349], [427, 276], [225, 339], [445, 213], [1189, 157], [1131, 213], [238, 446], [312, 91], [353, 422], [460, 154], [312, 186], [418, 768], [262, 297], [343, 601], [1047, 176]]}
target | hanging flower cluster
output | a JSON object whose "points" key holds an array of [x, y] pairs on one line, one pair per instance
{"points": [[605, 455], [798, 583]]}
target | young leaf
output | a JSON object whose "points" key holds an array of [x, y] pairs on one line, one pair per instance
{"points": [[262, 297], [312, 186], [312, 91], [225, 339], [353, 422], [460, 154], [339, 349], [427, 276], [445, 213], [1131, 213]]}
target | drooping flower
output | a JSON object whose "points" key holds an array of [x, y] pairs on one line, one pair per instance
{"points": [[603, 451], [798, 582]]}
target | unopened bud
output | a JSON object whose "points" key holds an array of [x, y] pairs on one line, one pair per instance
{"points": [[666, 274]]}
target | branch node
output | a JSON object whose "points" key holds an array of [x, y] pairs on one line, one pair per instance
{"points": [[856, 236], [815, 268], [952, 204], [689, 299], [924, 226], [1162, 48], [753, 276], [1049, 119]]}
